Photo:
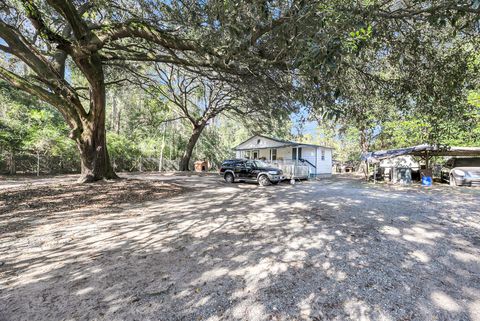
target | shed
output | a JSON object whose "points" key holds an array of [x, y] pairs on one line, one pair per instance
{"points": [[201, 166]]}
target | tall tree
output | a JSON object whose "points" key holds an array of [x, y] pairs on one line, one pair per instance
{"points": [[196, 99]]}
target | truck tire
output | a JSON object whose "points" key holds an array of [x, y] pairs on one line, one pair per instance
{"points": [[453, 182], [263, 180], [229, 178]]}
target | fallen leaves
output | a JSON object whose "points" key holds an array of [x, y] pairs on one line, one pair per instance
{"points": [[55, 197]]}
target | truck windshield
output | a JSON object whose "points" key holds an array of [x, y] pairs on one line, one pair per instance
{"points": [[260, 164]]}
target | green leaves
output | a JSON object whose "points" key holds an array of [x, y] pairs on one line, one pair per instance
{"points": [[359, 37], [29, 126], [474, 98]]}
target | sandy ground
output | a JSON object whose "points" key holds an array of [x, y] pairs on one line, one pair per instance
{"points": [[335, 249]]}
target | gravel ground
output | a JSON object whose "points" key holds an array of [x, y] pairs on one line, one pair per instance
{"points": [[335, 249]]}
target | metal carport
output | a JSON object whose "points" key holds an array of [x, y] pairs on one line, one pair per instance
{"points": [[425, 152]]}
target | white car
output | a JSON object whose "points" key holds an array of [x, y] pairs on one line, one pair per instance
{"points": [[462, 171]]}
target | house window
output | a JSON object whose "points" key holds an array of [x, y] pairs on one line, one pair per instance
{"points": [[258, 141], [273, 154], [296, 153], [323, 154]]}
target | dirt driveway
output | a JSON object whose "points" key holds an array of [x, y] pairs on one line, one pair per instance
{"points": [[334, 249]]}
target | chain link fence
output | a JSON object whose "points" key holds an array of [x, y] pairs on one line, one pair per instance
{"points": [[33, 164], [145, 164], [28, 163]]}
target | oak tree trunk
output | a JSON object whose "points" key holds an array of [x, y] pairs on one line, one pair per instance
{"points": [[95, 162], [91, 141], [185, 160]]}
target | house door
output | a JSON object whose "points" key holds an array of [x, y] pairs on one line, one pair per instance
{"points": [[296, 153], [255, 154]]}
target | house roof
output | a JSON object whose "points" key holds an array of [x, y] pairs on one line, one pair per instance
{"points": [[421, 150], [285, 143]]}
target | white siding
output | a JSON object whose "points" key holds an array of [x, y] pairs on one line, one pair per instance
{"points": [[284, 153], [324, 166], [308, 154], [264, 153]]}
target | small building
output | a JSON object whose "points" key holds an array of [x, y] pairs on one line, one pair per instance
{"points": [[343, 167], [201, 166], [314, 160], [399, 169]]}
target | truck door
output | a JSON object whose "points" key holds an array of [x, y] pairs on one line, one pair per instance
{"points": [[250, 170]]}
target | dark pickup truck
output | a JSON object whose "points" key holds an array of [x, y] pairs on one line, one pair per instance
{"points": [[234, 170]]}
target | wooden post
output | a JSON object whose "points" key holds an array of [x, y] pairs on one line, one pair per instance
{"points": [[11, 162], [366, 170], [295, 163], [160, 165], [38, 163], [375, 173]]}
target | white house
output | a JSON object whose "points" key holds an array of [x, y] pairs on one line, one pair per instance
{"points": [[280, 152]]}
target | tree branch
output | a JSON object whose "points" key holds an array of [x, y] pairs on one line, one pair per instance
{"points": [[68, 11], [49, 97], [142, 30], [35, 17]]}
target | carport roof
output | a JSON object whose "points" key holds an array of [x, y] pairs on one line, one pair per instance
{"points": [[421, 150]]}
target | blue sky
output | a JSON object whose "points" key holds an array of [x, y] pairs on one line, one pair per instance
{"points": [[308, 127]]}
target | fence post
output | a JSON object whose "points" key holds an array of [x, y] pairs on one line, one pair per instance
{"points": [[38, 163], [11, 163], [160, 165]]}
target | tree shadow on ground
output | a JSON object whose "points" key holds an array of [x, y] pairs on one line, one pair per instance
{"points": [[313, 251], [23, 208]]}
